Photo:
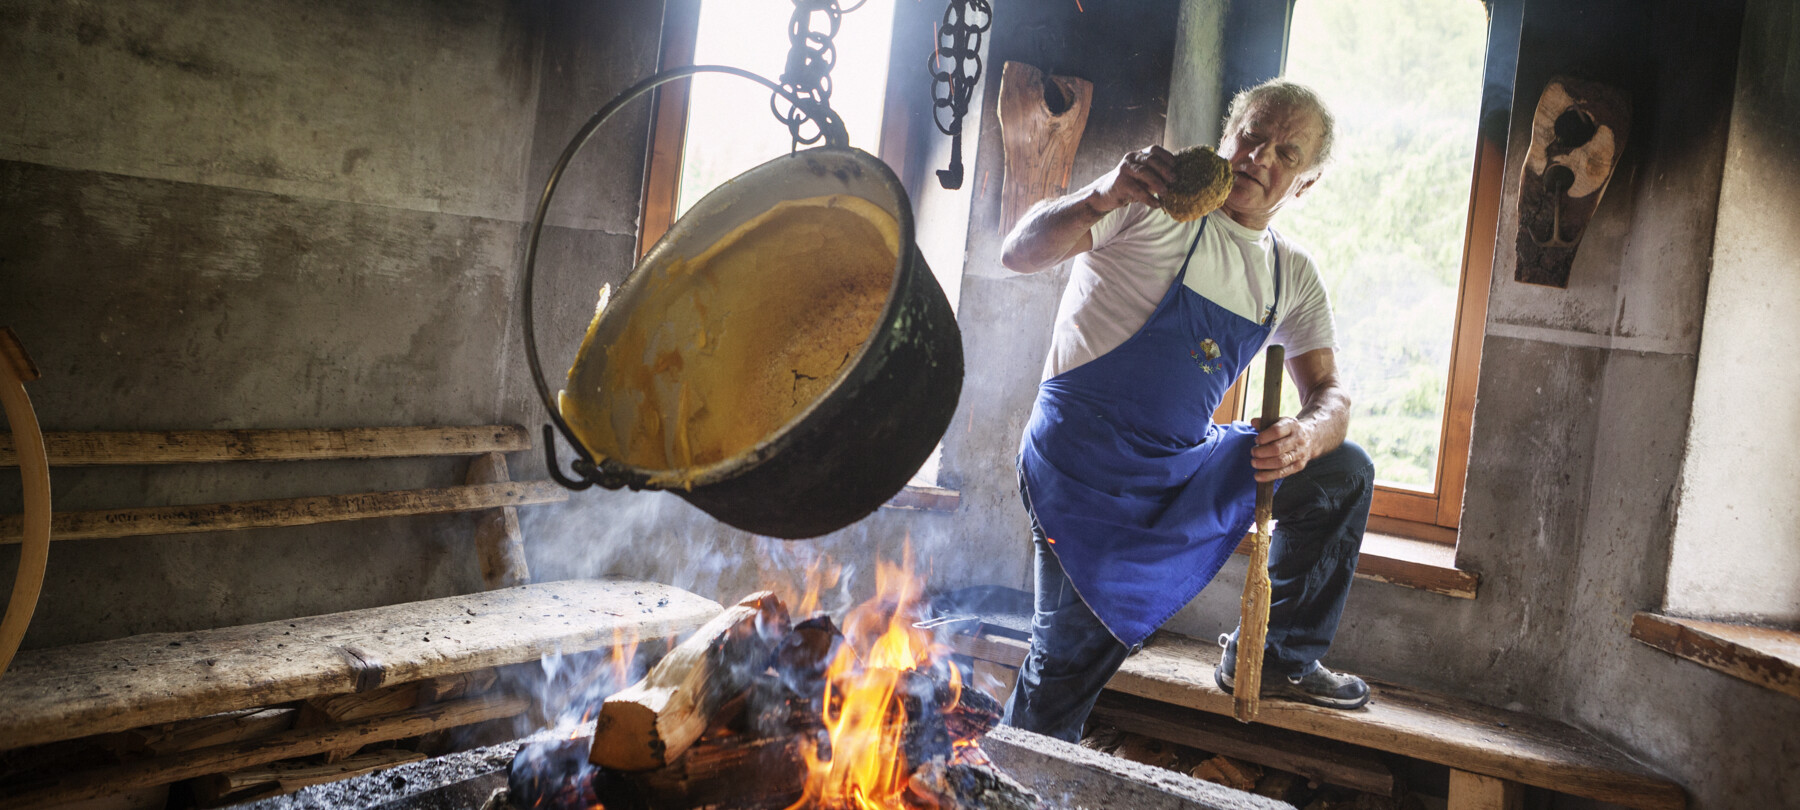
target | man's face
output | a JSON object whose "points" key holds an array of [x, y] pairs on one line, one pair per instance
{"points": [[1271, 152]]}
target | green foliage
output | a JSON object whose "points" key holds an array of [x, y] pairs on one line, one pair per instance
{"points": [[1386, 221]]}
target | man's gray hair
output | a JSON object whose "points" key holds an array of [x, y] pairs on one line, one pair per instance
{"points": [[1282, 93]]}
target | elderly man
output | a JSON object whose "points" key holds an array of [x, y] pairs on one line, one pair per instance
{"points": [[1136, 498]]}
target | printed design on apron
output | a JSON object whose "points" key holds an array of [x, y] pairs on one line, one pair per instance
{"points": [[1140, 495]]}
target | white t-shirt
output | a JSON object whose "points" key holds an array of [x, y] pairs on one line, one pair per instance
{"points": [[1115, 287]]}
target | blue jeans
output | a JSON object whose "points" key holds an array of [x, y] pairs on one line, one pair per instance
{"points": [[1322, 512]]}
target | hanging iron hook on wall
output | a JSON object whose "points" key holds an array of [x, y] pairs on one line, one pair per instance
{"points": [[959, 41]]}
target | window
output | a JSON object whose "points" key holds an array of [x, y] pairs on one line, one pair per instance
{"points": [[1402, 226], [715, 127]]}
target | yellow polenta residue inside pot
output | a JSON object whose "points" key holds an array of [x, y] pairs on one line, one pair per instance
{"points": [[721, 351]]}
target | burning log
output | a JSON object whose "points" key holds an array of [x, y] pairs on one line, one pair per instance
{"points": [[939, 785], [650, 723]]}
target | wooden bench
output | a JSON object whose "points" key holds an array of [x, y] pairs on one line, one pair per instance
{"points": [[132, 715], [1490, 752]]}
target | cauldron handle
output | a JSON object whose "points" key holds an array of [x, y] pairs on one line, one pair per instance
{"points": [[588, 472]]}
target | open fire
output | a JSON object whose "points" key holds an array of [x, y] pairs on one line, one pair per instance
{"points": [[758, 711]]}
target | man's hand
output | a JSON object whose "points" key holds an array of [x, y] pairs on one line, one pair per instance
{"points": [[1285, 447], [1055, 230], [1140, 177], [1282, 449]]}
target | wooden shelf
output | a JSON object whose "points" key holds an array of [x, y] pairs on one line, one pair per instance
{"points": [[1764, 656], [88, 449]]}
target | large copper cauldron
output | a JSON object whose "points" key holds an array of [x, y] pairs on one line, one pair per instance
{"points": [[782, 358]]}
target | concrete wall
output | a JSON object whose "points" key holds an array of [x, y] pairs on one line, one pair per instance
{"points": [[288, 214], [1737, 540]]}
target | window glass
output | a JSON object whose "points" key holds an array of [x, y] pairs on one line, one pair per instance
{"points": [[730, 127], [1386, 223]]}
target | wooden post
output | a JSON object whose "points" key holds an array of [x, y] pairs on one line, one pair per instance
{"points": [[500, 546], [1253, 624], [1472, 791]]}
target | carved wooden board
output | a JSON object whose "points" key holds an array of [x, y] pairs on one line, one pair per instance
{"points": [[1041, 121]]}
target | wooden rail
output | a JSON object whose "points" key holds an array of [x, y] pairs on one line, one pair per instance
{"points": [[209, 517], [100, 448]]}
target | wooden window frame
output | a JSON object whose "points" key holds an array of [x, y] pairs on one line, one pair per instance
{"points": [[668, 122]]}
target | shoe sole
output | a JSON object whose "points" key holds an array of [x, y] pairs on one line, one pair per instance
{"points": [[1286, 691]]}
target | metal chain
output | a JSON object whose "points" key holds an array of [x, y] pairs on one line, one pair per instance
{"points": [[959, 41], [811, 56]]}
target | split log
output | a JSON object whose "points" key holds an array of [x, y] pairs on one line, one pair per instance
{"points": [[650, 723], [334, 709], [1229, 772], [463, 684], [734, 771]]}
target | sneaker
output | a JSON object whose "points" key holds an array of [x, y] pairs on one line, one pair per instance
{"points": [[1321, 687]]}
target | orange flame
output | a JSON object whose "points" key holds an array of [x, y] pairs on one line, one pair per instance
{"points": [[865, 720]]}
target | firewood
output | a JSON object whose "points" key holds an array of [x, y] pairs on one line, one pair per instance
{"points": [[334, 709], [735, 771], [287, 777], [965, 786], [460, 685], [650, 723], [1229, 772], [1149, 751]]}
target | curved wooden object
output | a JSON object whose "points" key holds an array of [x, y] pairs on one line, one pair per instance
{"points": [[1040, 141], [16, 369], [1253, 623]]}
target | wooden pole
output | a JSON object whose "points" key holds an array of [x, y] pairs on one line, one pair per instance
{"points": [[1253, 624], [16, 369]]}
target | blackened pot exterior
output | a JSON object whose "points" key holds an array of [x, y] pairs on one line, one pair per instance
{"points": [[856, 446]]}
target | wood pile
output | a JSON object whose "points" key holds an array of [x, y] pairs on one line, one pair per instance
{"points": [[749, 713]]}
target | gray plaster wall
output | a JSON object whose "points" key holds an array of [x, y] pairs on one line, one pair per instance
{"points": [[288, 214], [1737, 540]]}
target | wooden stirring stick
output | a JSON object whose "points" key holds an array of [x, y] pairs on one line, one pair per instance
{"points": [[1253, 623]]}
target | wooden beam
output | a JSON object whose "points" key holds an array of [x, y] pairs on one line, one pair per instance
{"points": [[499, 546], [96, 448], [217, 729], [92, 784], [1514, 746], [1764, 656], [1317, 760], [1472, 791], [76, 690], [214, 517]]}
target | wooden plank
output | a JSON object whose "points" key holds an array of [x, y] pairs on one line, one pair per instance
{"points": [[216, 729], [1319, 761], [1763, 656], [499, 546], [292, 776], [1436, 728], [214, 517], [1472, 791], [94, 448], [95, 783], [82, 689]]}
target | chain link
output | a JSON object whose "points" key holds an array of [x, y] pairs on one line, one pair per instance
{"points": [[959, 42], [811, 56]]}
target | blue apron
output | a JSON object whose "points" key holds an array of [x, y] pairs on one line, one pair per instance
{"points": [[1141, 497]]}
